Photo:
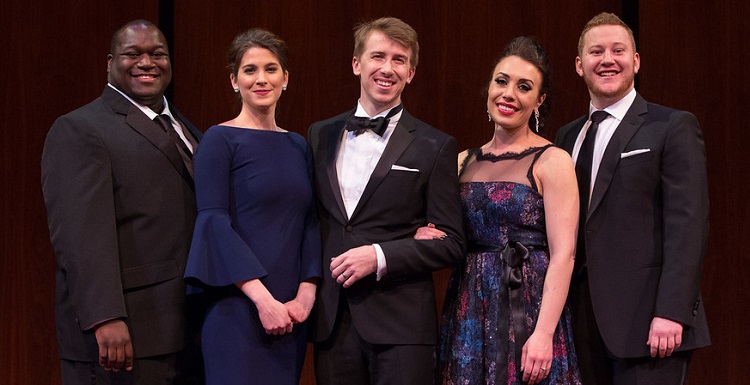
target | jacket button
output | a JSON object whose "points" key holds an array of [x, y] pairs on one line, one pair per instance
{"points": [[349, 228]]}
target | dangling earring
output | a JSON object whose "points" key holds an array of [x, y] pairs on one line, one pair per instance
{"points": [[536, 118], [236, 90], [489, 117], [283, 88]]}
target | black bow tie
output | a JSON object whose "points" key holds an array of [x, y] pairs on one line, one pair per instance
{"points": [[378, 125]]}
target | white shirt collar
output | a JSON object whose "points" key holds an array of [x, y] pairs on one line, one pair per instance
{"points": [[360, 112], [619, 108], [146, 110]]}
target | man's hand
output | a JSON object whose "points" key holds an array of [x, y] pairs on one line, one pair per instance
{"points": [[115, 348], [354, 265], [664, 337]]}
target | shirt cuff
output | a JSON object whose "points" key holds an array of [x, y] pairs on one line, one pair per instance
{"points": [[382, 268]]}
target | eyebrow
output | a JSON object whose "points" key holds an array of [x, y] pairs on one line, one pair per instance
{"points": [[520, 80]]}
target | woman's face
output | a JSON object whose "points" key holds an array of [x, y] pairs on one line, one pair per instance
{"points": [[259, 78], [514, 93]]}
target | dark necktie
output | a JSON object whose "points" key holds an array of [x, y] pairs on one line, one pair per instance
{"points": [[583, 173], [377, 125], [187, 157]]}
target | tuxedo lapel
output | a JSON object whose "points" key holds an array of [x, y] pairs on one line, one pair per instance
{"points": [[398, 143], [332, 143], [138, 121], [611, 158]]}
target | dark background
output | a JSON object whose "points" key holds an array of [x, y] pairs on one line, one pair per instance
{"points": [[693, 57]]}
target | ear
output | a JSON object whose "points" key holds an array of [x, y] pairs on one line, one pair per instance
{"points": [[355, 66], [109, 62], [579, 66], [412, 71], [636, 62], [542, 97], [233, 80], [286, 78]]}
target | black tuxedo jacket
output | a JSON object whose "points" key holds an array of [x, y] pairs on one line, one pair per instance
{"points": [[415, 182], [121, 210], [647, 227]]}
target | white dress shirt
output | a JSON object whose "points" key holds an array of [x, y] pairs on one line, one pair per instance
{"points": [[606, 129], [358, 155]]}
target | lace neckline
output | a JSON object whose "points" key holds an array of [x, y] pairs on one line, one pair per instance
{"points": [[480, 156]]}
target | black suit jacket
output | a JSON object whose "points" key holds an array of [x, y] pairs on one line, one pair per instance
{"points": [[121, 210], [647, 227], [400, 308]]}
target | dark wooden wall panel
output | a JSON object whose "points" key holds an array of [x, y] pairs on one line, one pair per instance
{"points": [[691, 58], [55, 61], [694, 57]]}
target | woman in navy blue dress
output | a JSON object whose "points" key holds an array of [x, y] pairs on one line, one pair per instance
{"points": [[256, 246]]}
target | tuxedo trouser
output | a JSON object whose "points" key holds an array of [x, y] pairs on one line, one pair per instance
{"points": [[347, 359], [160, 370], [599, 367]]}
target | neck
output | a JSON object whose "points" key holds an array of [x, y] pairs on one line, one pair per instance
{"points": [[509, 139], [601, 102], [373, 109], [260, 119]]}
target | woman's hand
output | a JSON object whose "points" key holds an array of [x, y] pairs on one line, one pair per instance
{"points": [[429, 232], [275, 317], [536, 358], [273, 314], [300, 307]]}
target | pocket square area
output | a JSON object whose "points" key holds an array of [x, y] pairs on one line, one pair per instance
{"points": [[402, 168], [634, 152]]}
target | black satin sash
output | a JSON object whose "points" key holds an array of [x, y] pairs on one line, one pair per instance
{"points": [[510, 297]]}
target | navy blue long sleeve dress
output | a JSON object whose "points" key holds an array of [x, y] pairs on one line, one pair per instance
{"points": [[256, 219]]}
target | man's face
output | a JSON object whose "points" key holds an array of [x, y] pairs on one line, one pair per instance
{"points": [[608, 64], [140, 66], [384, 70]]}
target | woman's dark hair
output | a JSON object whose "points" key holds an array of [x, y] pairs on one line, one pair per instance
{"points": [[256, 37]]}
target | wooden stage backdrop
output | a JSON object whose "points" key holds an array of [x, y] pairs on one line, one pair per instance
{"points": [[693, 56]]}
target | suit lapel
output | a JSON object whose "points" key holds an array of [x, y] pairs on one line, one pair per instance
{"points": [[569, 140], [186, 125], [138, 121], [611, 158], [398, 143], [332, 143]]}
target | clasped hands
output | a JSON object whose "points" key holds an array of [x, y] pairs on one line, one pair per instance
{"points": [[279, 318]]}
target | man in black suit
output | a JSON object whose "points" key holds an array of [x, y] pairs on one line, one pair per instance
{"points": [[635, 293], [121, 208], [375, 314]]}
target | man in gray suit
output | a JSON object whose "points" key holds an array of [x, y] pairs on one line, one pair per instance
{"points": [[121, 208], [635, 292]]}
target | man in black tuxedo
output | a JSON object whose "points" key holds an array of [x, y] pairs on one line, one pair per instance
{"points": [[635, 292], [377, 183], [121, 208]]}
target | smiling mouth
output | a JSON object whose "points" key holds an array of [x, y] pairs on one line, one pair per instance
{"points": [[506, 110], [146, 76], [607, 74], [384, 83]]}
